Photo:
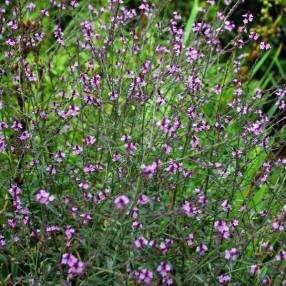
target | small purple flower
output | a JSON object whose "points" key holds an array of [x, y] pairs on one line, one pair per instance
{"points": [[266, 280], [140, 242], [77, 150], [11, 223], [73, 111], [113, 95], [281, 256], [137, 225], [86, 217], [194, 83], [247, 18], [201, 249], [59, 156], [2, 143], [164, 268], [116, 156], [254, 269], [68, 259], [2, 241], [76, 268], [189, 209], [229, 25], [144, 276], [226, 205], [24, 136], [89, 140], [224, 278], [143, 200], [211, 2], [190, 239], [14, 191], [44, 197], [130, 147], [90, 168], [17, 125], [3, 125], [69, 231], [163, 246], [167, 148], [253, 36], [51, 169], [231, 254], [277, 226], [125, 138], [264, 46], [121, 201], [149, 170], [222, 228]]}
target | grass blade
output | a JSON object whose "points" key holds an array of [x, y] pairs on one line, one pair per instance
{"points": [[191, 20]]}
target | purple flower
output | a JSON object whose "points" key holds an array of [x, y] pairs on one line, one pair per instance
{"points": [[44, 197], [69, 231], [90, 168], [224, 278], [24, 136], [77, 150], [201, 249], [59, 156], [73, 111], [116, 156], [265, 46], [68, 259], [253, 35], [194, 83], [14, 191], [278, 226], [2, 143], [247, 18], [281, 256], [189, 209], [121, 201], [113, 95], [17, 125], [231, 254], [226, 205], [229, 25], [89, 140], [164, 268], [167, 148], [144, 276], [190, 239], [254, 269], [149, 170], [140, 242], [266, 280], [143, 200], [2, 241], [76, 268], [3, 125], [130, 147]]}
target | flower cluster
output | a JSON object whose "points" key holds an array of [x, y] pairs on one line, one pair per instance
{"points": [[136, 149]]}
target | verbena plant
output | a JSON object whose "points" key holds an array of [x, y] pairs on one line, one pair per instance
{"points": [[134, 151]]}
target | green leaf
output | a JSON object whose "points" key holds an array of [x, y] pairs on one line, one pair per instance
{"points": [[267, 75], [259, 64], [191, 20], [280, 69]]}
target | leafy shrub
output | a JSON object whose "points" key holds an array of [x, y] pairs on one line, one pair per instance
{"points": [[134, 151]]}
